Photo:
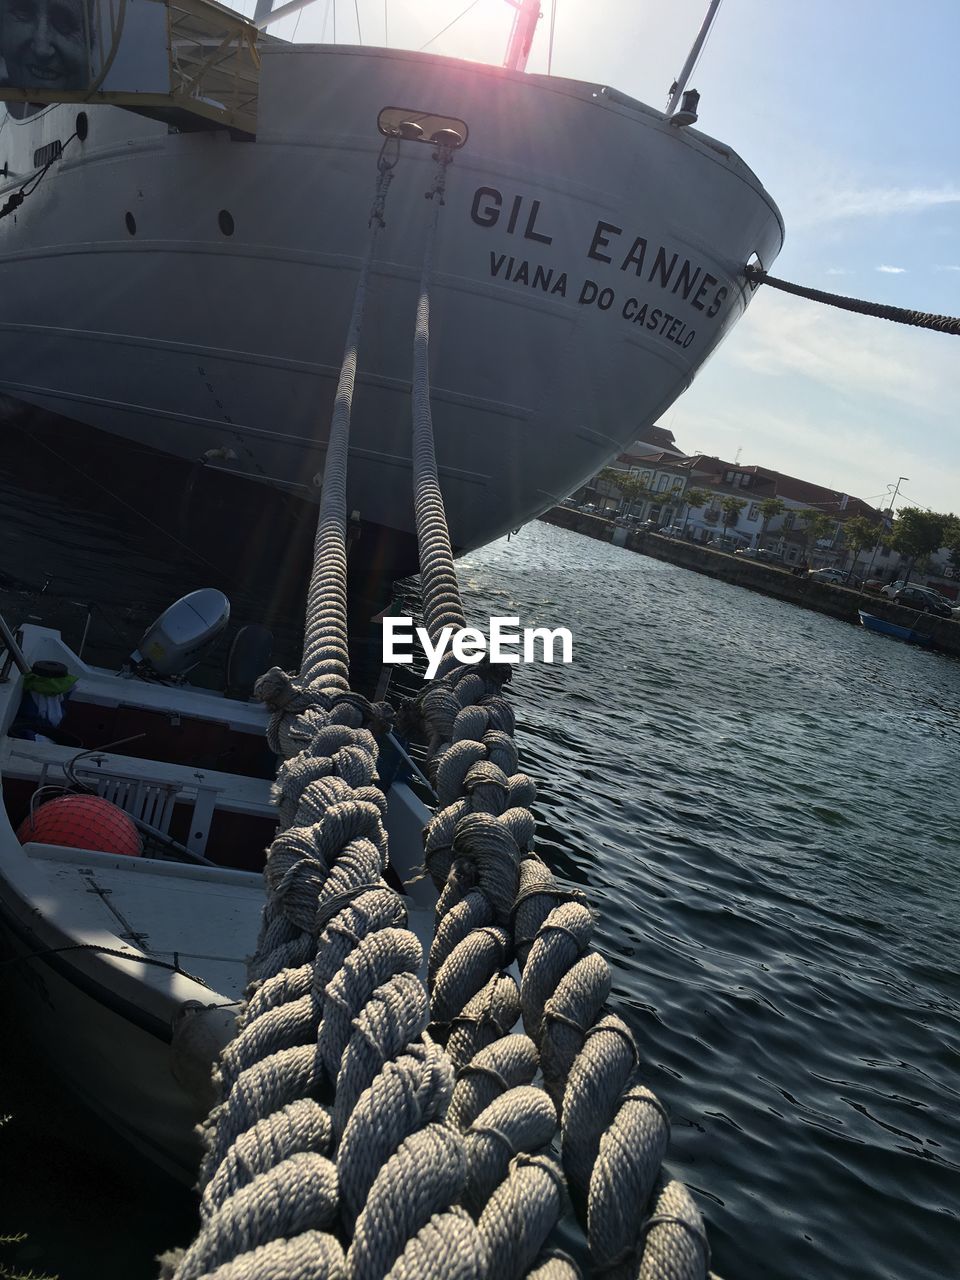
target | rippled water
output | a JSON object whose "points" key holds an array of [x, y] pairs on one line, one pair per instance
{"points": [[761, 802]]}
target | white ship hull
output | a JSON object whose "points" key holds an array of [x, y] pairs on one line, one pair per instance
{"points": [[590, 259]]}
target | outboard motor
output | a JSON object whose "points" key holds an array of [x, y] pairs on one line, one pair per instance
{"points": [[248, 659], [181, 632]]}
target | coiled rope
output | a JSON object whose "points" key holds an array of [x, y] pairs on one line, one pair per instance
{"points": [[328, 1155], [899, 315], [515, 1188], [499, 903]]}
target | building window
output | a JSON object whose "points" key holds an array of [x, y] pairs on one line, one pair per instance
{"points": [[788, 520], [646, 478], [754, 512], [663, 484]]}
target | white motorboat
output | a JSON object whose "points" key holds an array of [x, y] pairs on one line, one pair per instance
{"points": [[186, 285], [129, 969]]}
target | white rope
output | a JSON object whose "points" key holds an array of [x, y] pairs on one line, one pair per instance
{"points": [[499, 903], [514, 1187], [302, 1176], [441, 592], [325, 652]]}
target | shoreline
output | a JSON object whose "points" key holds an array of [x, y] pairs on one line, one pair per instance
{"points": [[838, 602]]}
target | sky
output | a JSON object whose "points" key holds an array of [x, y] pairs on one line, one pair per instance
{"points": [[847, 112]]}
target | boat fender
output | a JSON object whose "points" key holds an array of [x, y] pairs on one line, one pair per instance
{"points": [[200, 1032], [82, 822]]}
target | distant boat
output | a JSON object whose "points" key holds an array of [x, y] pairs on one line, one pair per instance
{"points": [[908, 634]]}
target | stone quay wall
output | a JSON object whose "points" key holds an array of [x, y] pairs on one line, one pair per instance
{"points": [[770, 580]]}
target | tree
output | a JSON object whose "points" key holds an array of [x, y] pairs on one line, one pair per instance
{"points": [[769, 508], [917, 534], [731, 508], [816, 525], [859, 534], [612, 478], [632, 488], [694, 498]]}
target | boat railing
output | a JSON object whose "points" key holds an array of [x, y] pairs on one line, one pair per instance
{"points": [[11, 653]]}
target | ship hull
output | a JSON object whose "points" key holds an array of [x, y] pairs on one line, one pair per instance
{"points": [[191, 292]]}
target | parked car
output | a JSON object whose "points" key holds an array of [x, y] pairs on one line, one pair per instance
{"points": [[569, 502], [728, 545], [763, 554], [835, 576], [874, 585], [941, 597], [650, 526], [672, 531], [892, 588], [924, 600], [590, 508]]}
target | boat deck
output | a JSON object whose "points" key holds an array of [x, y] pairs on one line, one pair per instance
{"points": [[203, 920]]}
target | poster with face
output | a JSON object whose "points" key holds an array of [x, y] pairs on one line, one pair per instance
{"points": [[53, 47], [47, 44]]}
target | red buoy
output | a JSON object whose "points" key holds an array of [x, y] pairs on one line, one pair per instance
{"points": [[82, 822]]}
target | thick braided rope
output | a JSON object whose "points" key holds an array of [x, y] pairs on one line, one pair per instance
{"points": [[325, 654], [476, 849], [474, 1003], [441, 594], [614, 1132], [334, 1098], [880, 310], [300, 1174]]}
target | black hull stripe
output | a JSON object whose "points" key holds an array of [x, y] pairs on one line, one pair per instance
{"points": [[96, 991]]}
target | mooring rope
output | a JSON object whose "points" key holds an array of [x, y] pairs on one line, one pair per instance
{"points": [[344, 1144], [441, 595], [499, 903], [328, 1154], [325, 650], [514, 1189], [899, 315]]}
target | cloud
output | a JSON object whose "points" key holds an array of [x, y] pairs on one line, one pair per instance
{"points": [[891, 271], [948, 268], [838, 271], [858, 357], [843, 400], [872, 202]]}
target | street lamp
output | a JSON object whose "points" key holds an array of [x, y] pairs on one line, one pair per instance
{"points": [[900, 480]]}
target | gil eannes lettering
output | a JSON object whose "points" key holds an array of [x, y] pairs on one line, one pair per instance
{"points": [[665, 270]]}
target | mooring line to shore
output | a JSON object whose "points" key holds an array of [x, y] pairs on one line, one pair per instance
{"points": [[880, 310]]}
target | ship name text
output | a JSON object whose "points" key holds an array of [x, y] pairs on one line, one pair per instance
{"points": [[688, 283]]}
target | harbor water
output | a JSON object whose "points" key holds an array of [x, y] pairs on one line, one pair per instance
{"points": [[760, 803]]}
